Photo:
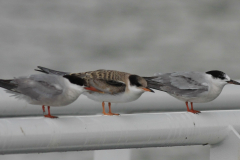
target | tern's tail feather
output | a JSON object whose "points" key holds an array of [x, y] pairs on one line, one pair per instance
{"points": [[7, 84], [153, 84], [50, 71]]}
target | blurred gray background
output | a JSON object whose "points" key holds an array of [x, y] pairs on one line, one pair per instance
{"points": [[141, 37]]}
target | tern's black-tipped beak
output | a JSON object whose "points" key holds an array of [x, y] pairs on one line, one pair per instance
{"points": [[233, 82]]}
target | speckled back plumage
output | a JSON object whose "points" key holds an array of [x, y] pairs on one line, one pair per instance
{"points": [[112, 81], [108, 75]]}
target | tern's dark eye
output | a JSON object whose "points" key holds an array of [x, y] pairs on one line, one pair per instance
{"points": [[217, 74], [134, 80]]}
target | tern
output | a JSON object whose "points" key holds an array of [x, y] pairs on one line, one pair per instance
{"points": [[193, 87], [115, 86], [47, 90]]}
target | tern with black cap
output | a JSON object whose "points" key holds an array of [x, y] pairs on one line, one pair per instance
{"points": [[193, 87]]}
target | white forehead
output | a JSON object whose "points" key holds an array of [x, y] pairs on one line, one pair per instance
{"points": [[227, 77]]}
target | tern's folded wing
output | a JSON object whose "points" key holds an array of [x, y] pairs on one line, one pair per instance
{"points": [[188, 80], [188, 84], [39, 86], [111, 87]]}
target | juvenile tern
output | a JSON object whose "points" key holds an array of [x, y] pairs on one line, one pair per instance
{"points": [[46, 90], [193, 87], [117, 87]]}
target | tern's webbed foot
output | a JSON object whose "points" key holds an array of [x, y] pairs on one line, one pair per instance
{"points": [[110, 114], [194, 111], [114, 113], [50, 116]]}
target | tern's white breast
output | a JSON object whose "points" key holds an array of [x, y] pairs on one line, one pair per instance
{"points": [[113, 98]]}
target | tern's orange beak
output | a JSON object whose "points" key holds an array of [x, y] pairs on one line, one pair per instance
{"points": [[93, 89], [148, 89]]}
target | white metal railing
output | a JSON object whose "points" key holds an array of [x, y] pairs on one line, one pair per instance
{"points": [[75, 133], [31, 134]]}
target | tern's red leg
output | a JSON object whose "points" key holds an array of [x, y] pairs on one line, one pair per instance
{"points": [[191, 110], [104, 112], [103, 107], [49, 114], [110, 111], [194, 111], [187, 107], [43, 108]]}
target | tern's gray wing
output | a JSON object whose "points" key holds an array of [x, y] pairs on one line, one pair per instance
{"points": [[186, 84], [39, 86]]}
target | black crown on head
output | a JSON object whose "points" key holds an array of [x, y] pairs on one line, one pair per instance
{"points": [[217, 74]]}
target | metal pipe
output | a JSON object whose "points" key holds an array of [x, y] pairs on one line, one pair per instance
{"points": [[69, 133]]}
